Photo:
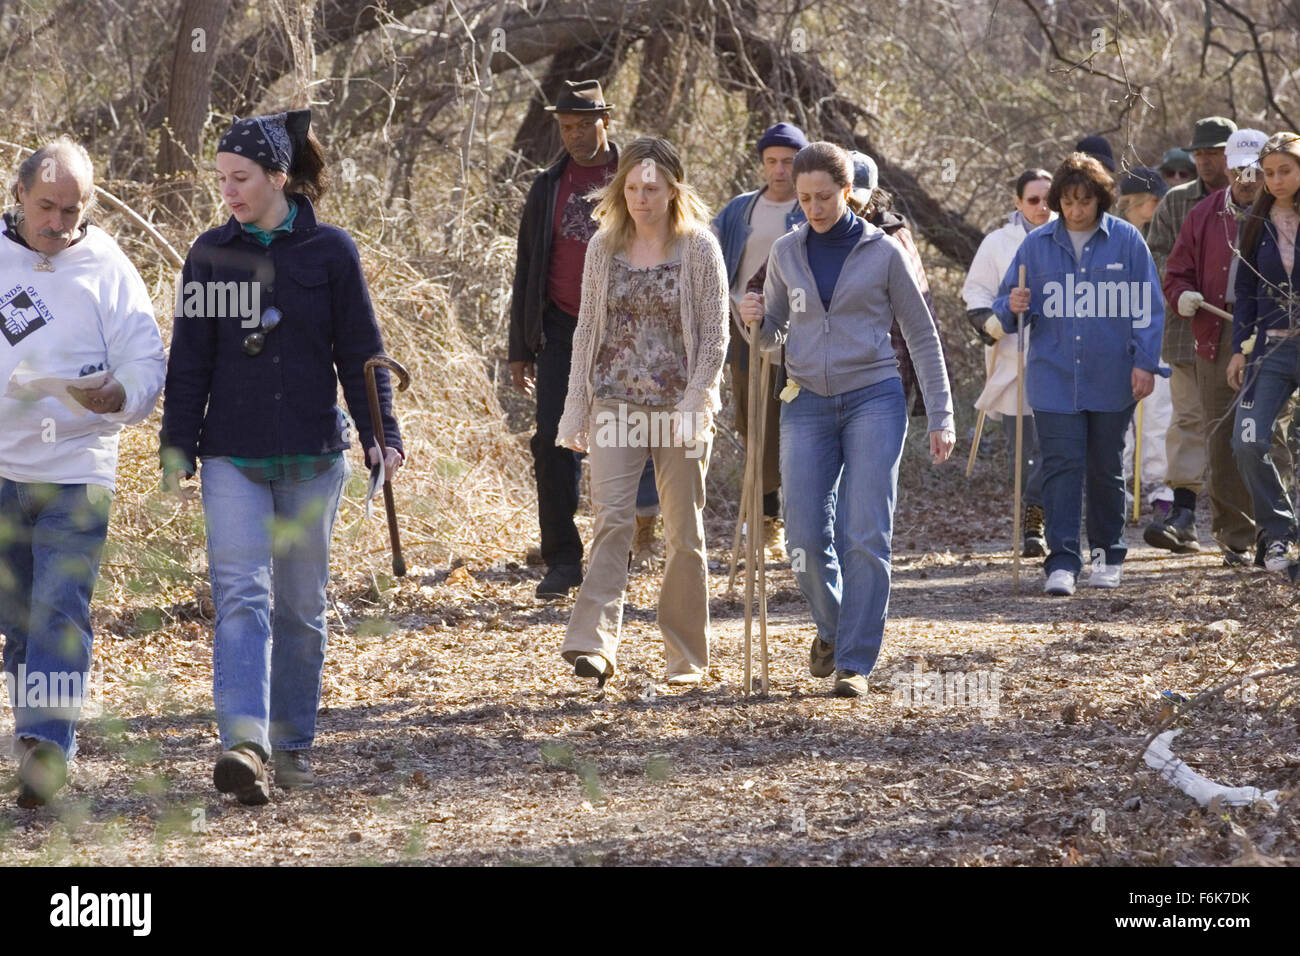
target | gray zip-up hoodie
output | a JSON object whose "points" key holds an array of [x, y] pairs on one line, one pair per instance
{"points": [[848, 347]]}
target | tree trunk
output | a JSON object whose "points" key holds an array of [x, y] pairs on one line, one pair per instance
{"points": [[188, 94], [779, 82]]}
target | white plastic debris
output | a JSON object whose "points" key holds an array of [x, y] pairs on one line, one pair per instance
{"points": [[1160, 757]]}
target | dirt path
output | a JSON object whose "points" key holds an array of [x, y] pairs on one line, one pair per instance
{"points": [[452, 733]]}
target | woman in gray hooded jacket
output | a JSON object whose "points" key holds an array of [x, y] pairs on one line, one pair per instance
{"points": [[834, 287]]}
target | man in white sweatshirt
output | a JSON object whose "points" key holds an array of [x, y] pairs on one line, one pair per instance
{"points": [[71, 307]]}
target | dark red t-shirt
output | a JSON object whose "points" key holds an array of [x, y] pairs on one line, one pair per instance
{"points": [[571, 230]]}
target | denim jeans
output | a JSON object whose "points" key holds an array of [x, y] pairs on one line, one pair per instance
{"points": [[1276, 375], [1083, 451], [268, 559], [1031, 467], [839, 469], [51, 539]]}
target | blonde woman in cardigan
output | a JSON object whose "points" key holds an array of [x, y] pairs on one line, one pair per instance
{"points": [[647, 361]]}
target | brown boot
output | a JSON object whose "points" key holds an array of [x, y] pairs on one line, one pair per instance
{"points": [[774, 539], [643, 545]]}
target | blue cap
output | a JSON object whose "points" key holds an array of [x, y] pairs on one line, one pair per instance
{"points": [[1099, 149], [1143, 179], [865, 175], [782, 134]]}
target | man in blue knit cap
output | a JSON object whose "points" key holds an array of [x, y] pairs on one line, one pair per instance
{"points": [[746, 229]]}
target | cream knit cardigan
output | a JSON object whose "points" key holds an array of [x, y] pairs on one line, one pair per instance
{"points": [[703, 285]]}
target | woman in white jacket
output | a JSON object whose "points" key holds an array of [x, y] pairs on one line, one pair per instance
{"points": [[999, 396]]}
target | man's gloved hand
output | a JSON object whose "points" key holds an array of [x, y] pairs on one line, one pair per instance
{"points": [[980, 320], [1189, 302], [993, 328]]}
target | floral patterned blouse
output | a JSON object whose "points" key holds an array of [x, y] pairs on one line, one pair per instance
{"points": [[642, 358]]}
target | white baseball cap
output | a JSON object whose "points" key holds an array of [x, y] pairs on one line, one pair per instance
{"points": [[1243, 148]]}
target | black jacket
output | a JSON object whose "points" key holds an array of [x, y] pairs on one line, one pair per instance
{"points": [[219, 401], [533, 262]]}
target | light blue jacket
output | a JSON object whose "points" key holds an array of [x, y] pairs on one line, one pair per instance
{"points": [[732, 228], [1090, 323]]}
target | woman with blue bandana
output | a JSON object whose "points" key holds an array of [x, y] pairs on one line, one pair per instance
{"points": [[273, 315]]}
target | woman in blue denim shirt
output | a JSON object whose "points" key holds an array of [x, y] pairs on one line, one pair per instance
{"points": [[255, 402], [834, 287], [1095, 315], [1265, 321]]}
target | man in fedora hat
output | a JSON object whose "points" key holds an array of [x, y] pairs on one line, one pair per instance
{"points": [[1186, 443], [553, 234]]}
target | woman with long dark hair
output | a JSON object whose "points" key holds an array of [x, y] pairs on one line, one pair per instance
{"points": [[1265, 363], [253, 397]]}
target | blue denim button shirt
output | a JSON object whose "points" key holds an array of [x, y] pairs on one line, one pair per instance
{"points": [[1090, 323], [732, 228]]}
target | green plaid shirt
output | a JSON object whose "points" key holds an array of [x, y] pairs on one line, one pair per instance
{"points": [[1179, 347], [285, 467]]}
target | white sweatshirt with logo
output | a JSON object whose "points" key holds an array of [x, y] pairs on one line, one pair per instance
{"points": [[91, 313]]}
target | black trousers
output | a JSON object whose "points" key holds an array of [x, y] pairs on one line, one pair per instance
{"points": [[557, 469]]}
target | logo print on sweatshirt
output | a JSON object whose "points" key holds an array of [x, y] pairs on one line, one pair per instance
{"points": [[21, 313]]}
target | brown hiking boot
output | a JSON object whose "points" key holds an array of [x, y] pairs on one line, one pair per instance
{"points": [[643, 545], [42, 772], [292, 769], [849, 684], [821, 658], [774, 539], [1035, 543], [241, 771]]}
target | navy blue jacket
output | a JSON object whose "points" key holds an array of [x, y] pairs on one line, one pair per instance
{"points": [[1264, 293], [219, 401]]}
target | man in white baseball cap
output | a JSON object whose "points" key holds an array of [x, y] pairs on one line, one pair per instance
{"points": [[1242, 151]]}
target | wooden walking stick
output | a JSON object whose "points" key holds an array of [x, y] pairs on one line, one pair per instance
{"points": [[1137, 465], [975, 445], [751, 461], [756, 494], [1020, 438], [377, 425]]}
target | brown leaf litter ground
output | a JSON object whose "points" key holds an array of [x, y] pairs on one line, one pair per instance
{"points": [[452, 733]]}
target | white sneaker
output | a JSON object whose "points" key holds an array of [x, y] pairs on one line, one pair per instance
{"points": [[1278, 555], [1104, 575], [1060, 583]]}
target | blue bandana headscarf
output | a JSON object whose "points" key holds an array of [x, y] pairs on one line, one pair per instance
{"points": [[271, 141]]}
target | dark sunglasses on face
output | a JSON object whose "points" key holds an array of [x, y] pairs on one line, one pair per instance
{"points": [[1034, 200], [1181, 174], [254, 342]]}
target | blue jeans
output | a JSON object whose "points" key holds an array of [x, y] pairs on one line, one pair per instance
{"points": [[1083, 451], [1031, 468], [839, 469], [51, 538], [1276, 375], [264, 539]]}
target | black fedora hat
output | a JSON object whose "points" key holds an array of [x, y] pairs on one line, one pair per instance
{"points": [[582, 96]]}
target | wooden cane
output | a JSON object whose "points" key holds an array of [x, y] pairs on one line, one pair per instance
{"points": [[1020, 438], [751, 460], [377, 425], [741, 512], [974, 445], [756, 493], [1215, 310], [1137, 465]]}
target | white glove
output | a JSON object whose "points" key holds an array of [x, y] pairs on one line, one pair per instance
{"points": [[993, 328], [1188, 303]]}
